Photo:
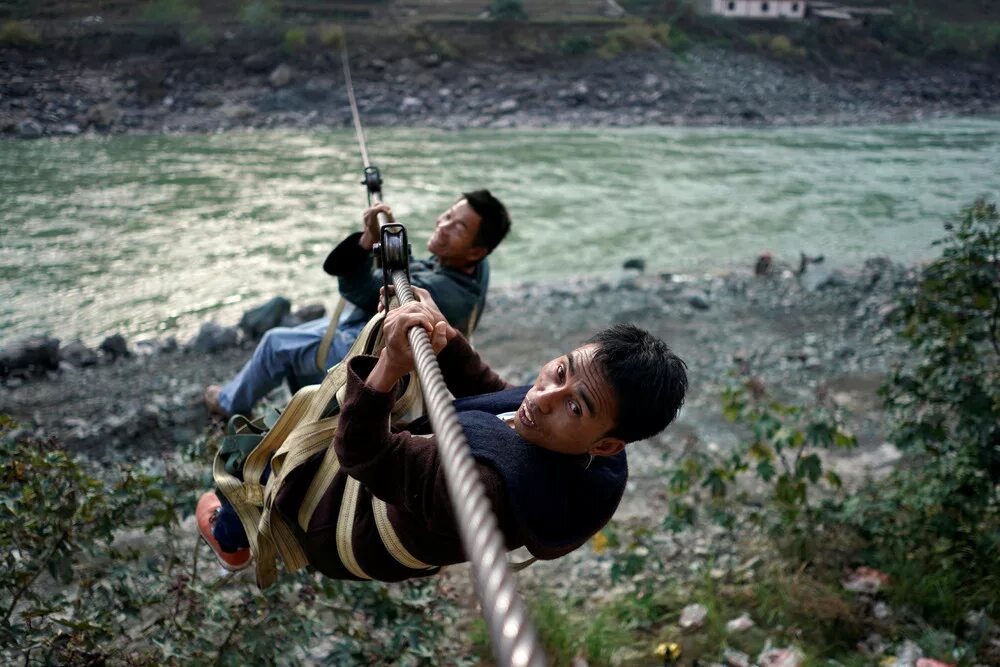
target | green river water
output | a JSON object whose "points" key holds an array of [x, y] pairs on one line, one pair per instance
{"points": [[152, 235]]}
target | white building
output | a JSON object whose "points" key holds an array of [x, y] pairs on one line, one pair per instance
{"points": [[755, 9]]}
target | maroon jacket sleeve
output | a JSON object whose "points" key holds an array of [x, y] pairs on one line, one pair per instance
{"points": [[401, 468], [464, 371]]}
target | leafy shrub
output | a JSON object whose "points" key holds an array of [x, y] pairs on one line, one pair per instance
{"points": [[295, 40], [197, 36], [18, 33], [780, 451], [169, 13], [670, 36], [639, 35], [576, 46], [261, 17], [97, 570], [936, 521], [913, 32], [634, 36], [331, 35], [758, 40], [507, 10], [779, 46]]}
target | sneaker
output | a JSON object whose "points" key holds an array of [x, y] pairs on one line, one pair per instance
{"points": [[205, 514], [211, 398]]}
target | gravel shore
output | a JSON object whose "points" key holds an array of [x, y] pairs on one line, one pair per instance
{"points": [[820, 331], [184, 92]]}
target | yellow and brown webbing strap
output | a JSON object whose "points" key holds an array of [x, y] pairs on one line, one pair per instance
{"points": [[331, 330]]}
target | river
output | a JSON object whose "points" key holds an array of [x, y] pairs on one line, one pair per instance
{"points": [[151, 235]]}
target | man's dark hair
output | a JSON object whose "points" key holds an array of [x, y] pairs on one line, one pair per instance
{"points": [[648, 379], [495, 221]]}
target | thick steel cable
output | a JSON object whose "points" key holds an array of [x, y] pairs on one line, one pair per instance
{"points": [[513, 635], [515, 641]]}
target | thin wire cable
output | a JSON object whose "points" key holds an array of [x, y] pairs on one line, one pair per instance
{"points": [[358, 129], [515, 641]]}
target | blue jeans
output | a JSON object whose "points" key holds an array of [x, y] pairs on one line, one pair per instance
{"points": [[286, 353]]}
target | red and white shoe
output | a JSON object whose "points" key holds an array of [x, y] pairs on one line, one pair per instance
{"points": [[205, 514]]}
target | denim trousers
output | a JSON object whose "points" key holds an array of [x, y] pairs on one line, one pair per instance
{"points": [[287, 353]]}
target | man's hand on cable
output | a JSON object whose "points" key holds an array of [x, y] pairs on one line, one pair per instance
{"points": [[369, 225], [425, 298], [396, 360]]}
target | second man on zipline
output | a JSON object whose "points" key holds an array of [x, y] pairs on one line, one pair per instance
{"points": [[457, 275]]}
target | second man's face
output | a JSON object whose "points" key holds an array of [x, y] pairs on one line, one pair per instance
{"points": [[454, 237]]}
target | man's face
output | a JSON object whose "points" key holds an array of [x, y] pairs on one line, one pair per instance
{"points": [[570, 407], [454, 237]]}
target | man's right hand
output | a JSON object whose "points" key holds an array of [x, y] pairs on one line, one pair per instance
{"points": [[396, 359], [370, 226]]}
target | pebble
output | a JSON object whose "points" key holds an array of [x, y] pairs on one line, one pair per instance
{"points": [[693, 617], [735, 658], [29, 129], [781, 657], [741, 623]]}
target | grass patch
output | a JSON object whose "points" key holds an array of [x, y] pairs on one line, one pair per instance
{"points": [[169, 13], [915, 33], [640, 35], [261, 17], [18, 33], [330, 35], [294, 40]]}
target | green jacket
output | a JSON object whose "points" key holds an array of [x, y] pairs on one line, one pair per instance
{"points": [[460, 296]]}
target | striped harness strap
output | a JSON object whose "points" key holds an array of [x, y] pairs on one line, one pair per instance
{"points": [[306, 427]]}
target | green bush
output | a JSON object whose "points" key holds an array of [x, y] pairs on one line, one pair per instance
{"points": [[636, 35], [915, 33], [170, 14], [198, 36], [18, 33], [295, 40], [779, 46], [670, 36], [935, 523], [331, 35], [261, 17], [576, 46], [507, 10], [98, 570], [780, 451]]}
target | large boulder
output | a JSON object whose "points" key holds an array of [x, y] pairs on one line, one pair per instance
{"points": [[307, 313], [213, 338], [281, 76], [105, 114], [34, 353], [29, 129], [258, 63], [114, 346], [77, 354], [256, 321]]}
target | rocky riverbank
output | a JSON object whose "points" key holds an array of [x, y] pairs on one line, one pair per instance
{"points": [[819, 331], [43, 94]]}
